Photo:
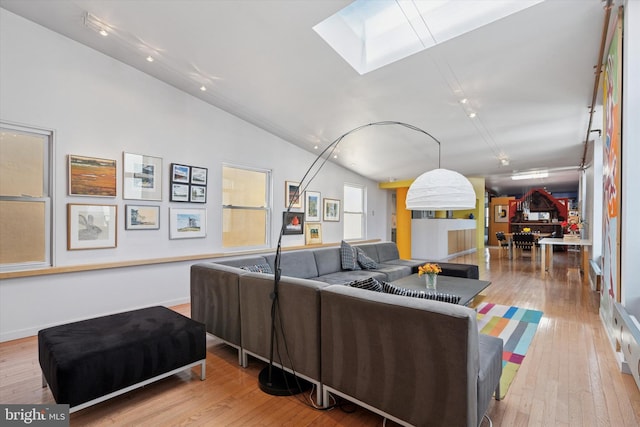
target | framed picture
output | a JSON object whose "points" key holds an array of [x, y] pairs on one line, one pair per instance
{"points": [[312, 202], [198, 194], [187, 223], [198, 175], [179, 192], [142, 177], [331, 209], [91, 226], [501, 213], [291, 195], [90, 176], [313, 233], [139, 217], [293, 222], [180, 173]]}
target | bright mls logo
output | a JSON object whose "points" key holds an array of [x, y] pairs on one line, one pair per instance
{"points": [[34, 415]]}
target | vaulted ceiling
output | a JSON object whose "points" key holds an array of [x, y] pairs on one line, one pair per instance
{"points": [[529, 79]]}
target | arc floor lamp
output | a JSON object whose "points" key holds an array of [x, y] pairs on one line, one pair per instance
{"points": [[438, 189]]}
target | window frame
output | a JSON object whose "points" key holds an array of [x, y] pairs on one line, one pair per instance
{"points": [[267, 208], [47, 196], [363, 212]]}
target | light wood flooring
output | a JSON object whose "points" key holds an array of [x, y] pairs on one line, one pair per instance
{"points": [[568, 378]]}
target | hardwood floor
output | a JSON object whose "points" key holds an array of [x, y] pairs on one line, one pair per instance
{"points": [[569, 376]]}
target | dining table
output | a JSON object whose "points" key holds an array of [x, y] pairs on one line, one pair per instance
{"points": [[547, 255]]}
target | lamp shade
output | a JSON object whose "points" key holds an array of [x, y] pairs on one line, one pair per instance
{"points": [[440, 189]]}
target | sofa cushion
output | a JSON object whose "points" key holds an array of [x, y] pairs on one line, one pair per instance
{"points": [[413, 264], [258, 268], [393, 272], [387, 251], [301, 264], [365, 261], [328, 260], [348, 256], [370, 284]]}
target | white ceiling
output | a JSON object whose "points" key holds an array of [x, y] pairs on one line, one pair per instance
{"points": [[529, 77]]}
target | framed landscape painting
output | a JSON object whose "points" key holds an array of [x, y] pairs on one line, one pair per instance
{"points": [[90, 176], [187, 223], [179, 192], [331, 209], [91, 226], [142, 177], [198, 175], [180, 173], [312, 205], [313, 233], [139, 217], [292, 196], [198, 194]]}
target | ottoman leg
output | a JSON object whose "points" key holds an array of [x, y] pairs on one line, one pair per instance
{"points": [[203, 370]]}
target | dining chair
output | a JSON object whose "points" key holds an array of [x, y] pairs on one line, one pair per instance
{"points": [[524, 242], [502, 242]]}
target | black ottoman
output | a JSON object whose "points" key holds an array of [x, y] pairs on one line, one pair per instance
{"points": [[466, 271], [90, 361]]}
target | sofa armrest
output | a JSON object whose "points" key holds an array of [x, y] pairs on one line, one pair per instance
{"points": [[215, 299]]}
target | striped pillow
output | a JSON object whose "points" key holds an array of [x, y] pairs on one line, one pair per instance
{"points": [[438, 296], [369, 284], [258, 268]]}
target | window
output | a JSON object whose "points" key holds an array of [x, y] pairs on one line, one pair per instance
{"points": [[25, 201], [245, 212], [354, 212]]}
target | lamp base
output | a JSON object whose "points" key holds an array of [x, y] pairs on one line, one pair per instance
{"points": [[282, 382]]}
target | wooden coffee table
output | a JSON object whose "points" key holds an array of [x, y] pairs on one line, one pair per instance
{"points": [[466, 289]]}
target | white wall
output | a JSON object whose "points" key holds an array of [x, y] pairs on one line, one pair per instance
{"points": [[99, 107]]}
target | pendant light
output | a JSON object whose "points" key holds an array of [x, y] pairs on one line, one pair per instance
{"points": [[440, 189]]}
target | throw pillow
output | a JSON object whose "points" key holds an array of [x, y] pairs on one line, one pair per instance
{"points": [[369, 284], [258, 268], [438, 296], [366, 261], [349, 257]]}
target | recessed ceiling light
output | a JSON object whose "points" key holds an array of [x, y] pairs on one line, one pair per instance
{"points": [[472, 115], [149, 58], [335, 156], [530, 175], [203, 88], [95, 24], [315, 147], [464, 101]]}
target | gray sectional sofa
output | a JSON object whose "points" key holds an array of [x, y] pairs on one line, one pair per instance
{"points": [[409, 359]]}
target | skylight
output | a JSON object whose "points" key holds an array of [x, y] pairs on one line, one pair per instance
{"points": [[370, 34]]}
